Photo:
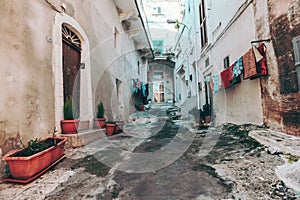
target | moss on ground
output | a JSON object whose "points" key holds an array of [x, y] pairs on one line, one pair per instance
{"points": [[92, 165]]}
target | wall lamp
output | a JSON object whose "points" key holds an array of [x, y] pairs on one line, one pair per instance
{"points": [[170, 21]]}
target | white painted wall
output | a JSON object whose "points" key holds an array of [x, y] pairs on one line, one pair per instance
{"points": [[31, 64], [230, 31], [241, 103]]}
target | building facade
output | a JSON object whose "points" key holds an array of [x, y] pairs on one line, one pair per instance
{"points": [[161, 68], [52, 50], [247, 61]]}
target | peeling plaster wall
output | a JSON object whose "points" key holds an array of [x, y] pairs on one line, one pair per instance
{"points": [[26, 78], [27, 75], [281, 100]]}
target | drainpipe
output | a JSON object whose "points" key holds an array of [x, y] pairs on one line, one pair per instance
{"points": [[140, 16], [195, 57]]}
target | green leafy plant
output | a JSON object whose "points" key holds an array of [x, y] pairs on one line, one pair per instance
{"points": [[110, 122], [100, 113], [69, 114], [36, 146]]}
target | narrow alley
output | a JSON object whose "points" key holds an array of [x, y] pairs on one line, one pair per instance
{"points": [[150, 100], [234, 166]]}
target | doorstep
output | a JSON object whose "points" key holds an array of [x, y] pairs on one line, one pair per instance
{"points": [[83, 137]]}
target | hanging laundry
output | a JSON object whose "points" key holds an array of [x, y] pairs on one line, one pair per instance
{"points": [[211, 83], [233, 79], [138, 84], [261, 62], [230, 72], [249, 64], [238, 67], [236, 80], [144, 90], [147, 89], [133, 84], [226, 76], [257, 54], [216, 83]]}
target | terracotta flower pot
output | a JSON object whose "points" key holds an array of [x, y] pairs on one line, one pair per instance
{"points": [[99, 122], [207, 119], [119, 127], [26, 167], [110, 129], [69, 126]]}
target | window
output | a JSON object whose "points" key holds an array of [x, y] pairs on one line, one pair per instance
{"points": [[296, 45], [159, 10], [158, 46], [158, 75], [207, 62], [203, 30], [226, 62]]}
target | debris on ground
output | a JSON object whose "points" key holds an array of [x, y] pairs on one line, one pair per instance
{"points": [[224, 162]]}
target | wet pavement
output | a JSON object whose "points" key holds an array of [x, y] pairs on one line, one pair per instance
{"points": [[156, 158]]}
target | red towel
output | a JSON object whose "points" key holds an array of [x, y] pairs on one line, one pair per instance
{"points": [[261, 65], [226, 76]]}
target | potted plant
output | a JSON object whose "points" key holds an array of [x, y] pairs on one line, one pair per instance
{"points": [[207, 112], [110, 127], [34, 159], [99, 122], [119, 127], [70, 123]]}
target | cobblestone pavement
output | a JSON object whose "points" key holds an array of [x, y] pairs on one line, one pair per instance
{"points": [[217, 163]]}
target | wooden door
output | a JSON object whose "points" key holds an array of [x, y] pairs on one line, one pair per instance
{"points": [[71, 73]]}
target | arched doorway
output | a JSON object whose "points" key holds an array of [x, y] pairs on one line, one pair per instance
{"points": [[71, 56], [70, 38]]}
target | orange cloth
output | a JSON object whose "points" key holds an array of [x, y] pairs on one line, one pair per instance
{"points": [[249, 64]]}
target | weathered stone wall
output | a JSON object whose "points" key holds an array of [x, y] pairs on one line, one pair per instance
{"points": [[279, 20], [26, 78]]}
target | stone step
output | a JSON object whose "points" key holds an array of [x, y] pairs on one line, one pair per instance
{"points": [[83, 137]]}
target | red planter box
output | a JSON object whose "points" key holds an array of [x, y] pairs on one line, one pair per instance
{"points": [[26, 167]]}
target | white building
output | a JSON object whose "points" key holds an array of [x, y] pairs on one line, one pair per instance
{"points": [[218, 36], [54, 49], [247, 67], [160, 74]]}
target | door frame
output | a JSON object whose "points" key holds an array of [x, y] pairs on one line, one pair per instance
{"points": [[86, 98]]}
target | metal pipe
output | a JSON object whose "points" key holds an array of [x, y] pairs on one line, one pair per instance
{"points": [[264, 40], [169, 21], [137, 7]]}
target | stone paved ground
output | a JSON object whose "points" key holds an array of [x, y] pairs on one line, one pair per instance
{"points": [[218, 163]]}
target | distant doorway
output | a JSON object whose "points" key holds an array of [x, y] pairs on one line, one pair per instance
{"points": [[159, 91]]}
